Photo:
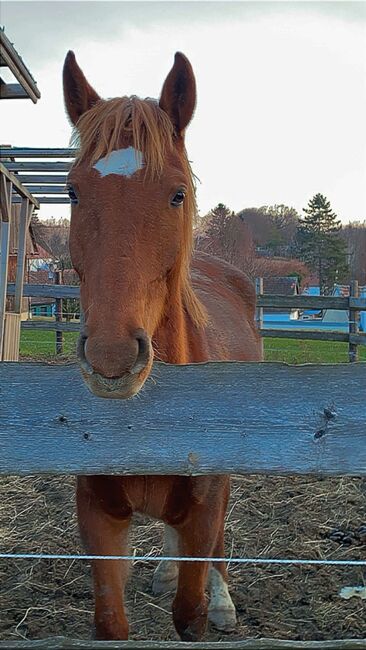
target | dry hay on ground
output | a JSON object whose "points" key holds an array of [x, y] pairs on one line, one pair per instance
{"points": [[269, 517]]}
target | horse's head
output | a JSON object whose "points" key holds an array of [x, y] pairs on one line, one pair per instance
{"points": [[132, 199]]}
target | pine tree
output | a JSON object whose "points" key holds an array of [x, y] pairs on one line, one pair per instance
{"points": [[319, 243]]}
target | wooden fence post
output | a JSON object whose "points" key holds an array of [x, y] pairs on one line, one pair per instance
{"points": [[354, 315], [5, 204], [259, 311], [59, 335]]}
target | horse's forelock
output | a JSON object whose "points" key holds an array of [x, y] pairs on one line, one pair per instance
{"points": [[102, 129]]}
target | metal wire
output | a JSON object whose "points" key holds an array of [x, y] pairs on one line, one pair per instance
{"points": [[171, 558]]}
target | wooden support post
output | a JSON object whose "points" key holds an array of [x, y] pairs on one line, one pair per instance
{"points": [[24, 220], [4, 258], [5, 206], [59, 335], [354, 316], [259, 312]]}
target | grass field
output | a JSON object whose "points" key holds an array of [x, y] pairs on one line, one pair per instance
{"points": [[41, 345]]}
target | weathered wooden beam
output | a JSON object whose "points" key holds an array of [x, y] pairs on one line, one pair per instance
{"points": [[358, 339], [12, 91], [32, 166], [24, 220], [21, 190], [302, 302], [46, 189], [312, 335], [46, 290], [51, 325], [212, 418], [47, 200], [353, 317], [62, 643], [4, 261], [11, 58], [5, 195], [46, 179], [36, 152]]}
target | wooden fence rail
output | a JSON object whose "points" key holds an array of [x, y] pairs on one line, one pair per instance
{"points": [[61, 643], [266, 300], [213, 418]]}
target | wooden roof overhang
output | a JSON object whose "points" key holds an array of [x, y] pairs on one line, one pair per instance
{"points": [[26, 86]]}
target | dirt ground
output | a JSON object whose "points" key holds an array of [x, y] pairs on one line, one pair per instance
{"points": [[269, 517]]}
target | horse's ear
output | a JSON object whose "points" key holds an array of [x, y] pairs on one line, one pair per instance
{"points": [[178, 97], [78, 94]]}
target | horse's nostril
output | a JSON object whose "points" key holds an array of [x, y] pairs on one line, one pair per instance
{"points": [[143, 355], [81, 354]]}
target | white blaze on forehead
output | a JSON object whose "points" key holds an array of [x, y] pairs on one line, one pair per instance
{"points": [[124, 162]]}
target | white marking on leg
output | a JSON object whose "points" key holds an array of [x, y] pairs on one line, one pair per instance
{"points": [[124, 162], [221, 610], [166, 573]]}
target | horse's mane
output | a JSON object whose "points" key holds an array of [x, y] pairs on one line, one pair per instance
{"points": [[101, 130]]}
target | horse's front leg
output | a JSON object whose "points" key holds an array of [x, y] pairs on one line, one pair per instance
{"points": [[103, 533]]}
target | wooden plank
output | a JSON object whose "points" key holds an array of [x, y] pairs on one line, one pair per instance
{"points": [[32, 166], [46, 179], [354, 317], [12, 91], [358, 339], [11, 337], [311, 335], [357, 303], [4, 260], [302, 302], [5, 192], [210, 418], [62, 643], [36, 152], [46, 189], [17, 185], [58, 317], [24, 219], [259, 312], [46, 290], [62, 292], [11, 58], [53, 326], [48, 200]]}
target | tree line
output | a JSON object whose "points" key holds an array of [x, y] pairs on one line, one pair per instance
{"points": [[330, 253]]}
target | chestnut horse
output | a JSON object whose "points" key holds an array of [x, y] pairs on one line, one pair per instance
{"points": [[145, 296]]}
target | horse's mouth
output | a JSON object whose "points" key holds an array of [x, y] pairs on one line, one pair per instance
{"points": [[116, 387]]}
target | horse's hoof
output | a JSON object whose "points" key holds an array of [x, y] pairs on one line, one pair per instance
{"points": [[223, 619]]}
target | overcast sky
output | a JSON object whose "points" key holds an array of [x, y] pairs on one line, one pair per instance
{"points": [[281, 89]]}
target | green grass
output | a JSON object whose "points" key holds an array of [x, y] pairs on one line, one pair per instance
{"points": [[302, 351], [37, 344], [41, 345]]}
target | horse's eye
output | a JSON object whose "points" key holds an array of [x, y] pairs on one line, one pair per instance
{"points": [[178, 199], [72, 194]]}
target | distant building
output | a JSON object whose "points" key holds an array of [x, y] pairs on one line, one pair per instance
{"points": [[284, 286]]}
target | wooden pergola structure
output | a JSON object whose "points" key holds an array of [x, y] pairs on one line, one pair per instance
{"points": [[13, 191], [26, 86]]}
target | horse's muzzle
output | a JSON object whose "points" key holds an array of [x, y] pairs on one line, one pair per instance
{"points": [[110, 374]]}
